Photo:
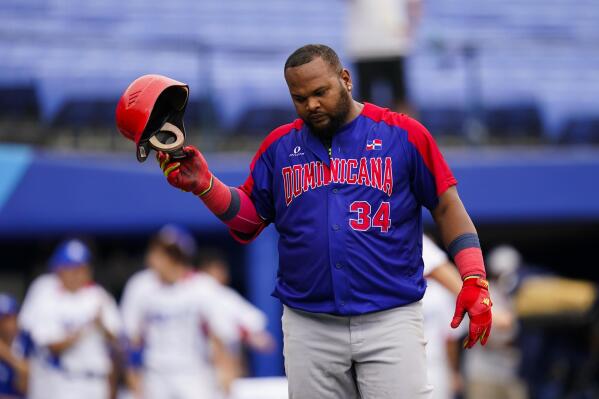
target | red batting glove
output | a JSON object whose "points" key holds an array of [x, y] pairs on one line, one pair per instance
{"points": [[474, 299], [189, 174]]}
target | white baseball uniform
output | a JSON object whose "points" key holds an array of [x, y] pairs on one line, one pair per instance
{"points": [[437, 306], [80, 371], [42, 374], [172, 321]]}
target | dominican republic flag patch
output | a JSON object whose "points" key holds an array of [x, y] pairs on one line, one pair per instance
{"points": [[376, 144]]}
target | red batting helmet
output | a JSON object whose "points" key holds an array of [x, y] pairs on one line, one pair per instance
{"points": [[146, 105]]}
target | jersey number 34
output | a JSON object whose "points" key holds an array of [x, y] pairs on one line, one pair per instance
{"points": [[364, 221]]}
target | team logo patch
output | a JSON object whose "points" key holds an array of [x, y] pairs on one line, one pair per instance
{"points": [[376, 144], [297, 152]]}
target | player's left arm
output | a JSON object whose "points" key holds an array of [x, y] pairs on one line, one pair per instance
{"points": [[434, 186], [108, 319], [460, 237]]}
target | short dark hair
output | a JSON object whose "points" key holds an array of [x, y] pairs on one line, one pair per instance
{"points": [[209, 256], [307, 53], [171, 249]]}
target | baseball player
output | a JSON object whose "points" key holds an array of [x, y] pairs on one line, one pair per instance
{"points": [[344, 186], [231, 363], [13, 368], [249, 320], [76, 323], [443, 285], [172, 315], [42, 373]]}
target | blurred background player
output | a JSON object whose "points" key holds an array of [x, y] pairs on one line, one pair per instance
{"points": [[176, 320], [493, 371], [42, 373], [13, 368], [379, 39], [443, 285], [442, 349], [77, 322], [213, 263]]}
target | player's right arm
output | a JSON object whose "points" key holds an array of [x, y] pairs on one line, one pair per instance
{"points": [[232, 205]]}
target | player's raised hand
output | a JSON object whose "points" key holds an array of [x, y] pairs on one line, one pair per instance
{"points": [[474, 299], [189, 174]]}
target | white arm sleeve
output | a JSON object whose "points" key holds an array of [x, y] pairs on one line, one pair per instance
{"points": [[218, 314], [132, 303], [109, 313], [432, 256], [248, 317], [47, 328], [34, 299]]}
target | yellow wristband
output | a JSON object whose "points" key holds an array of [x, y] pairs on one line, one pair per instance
{"points": [[208, 189]]}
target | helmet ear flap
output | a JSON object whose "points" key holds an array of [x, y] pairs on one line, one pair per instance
{"points": [[143, 150]]}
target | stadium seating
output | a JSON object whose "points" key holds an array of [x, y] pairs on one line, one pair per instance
{"points": [[18, 101], [542, 51], [231, 54], [580, 130], [91, 50]]}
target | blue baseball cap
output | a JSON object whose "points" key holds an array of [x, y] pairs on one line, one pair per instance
{"points": [[179, 236], [69, 254], [8, 305]]}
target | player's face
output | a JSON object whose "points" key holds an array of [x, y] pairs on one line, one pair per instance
{"points": [[321, 95], [8, 328], [75, 278], [161, 264], [219, 271]]}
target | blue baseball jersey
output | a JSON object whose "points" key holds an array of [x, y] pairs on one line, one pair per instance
{"points": [[349, 218]]}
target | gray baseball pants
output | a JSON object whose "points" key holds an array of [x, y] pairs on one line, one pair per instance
{"points": [[373, 356]]}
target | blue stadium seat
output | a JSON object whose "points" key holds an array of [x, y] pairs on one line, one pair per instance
{"points": [[514, 120], [580, 130], [18, 101], [86, 113], [262, 120], [443, 121]]}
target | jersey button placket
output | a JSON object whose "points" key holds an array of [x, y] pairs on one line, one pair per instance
{"points": [[336, 215], [335, 239]]}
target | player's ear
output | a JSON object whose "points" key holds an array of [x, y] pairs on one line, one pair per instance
{"points": [[346, 79]]}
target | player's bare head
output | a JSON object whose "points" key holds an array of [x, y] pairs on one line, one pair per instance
{"points": [[309, 52], [320, 88], [214, 263]]}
